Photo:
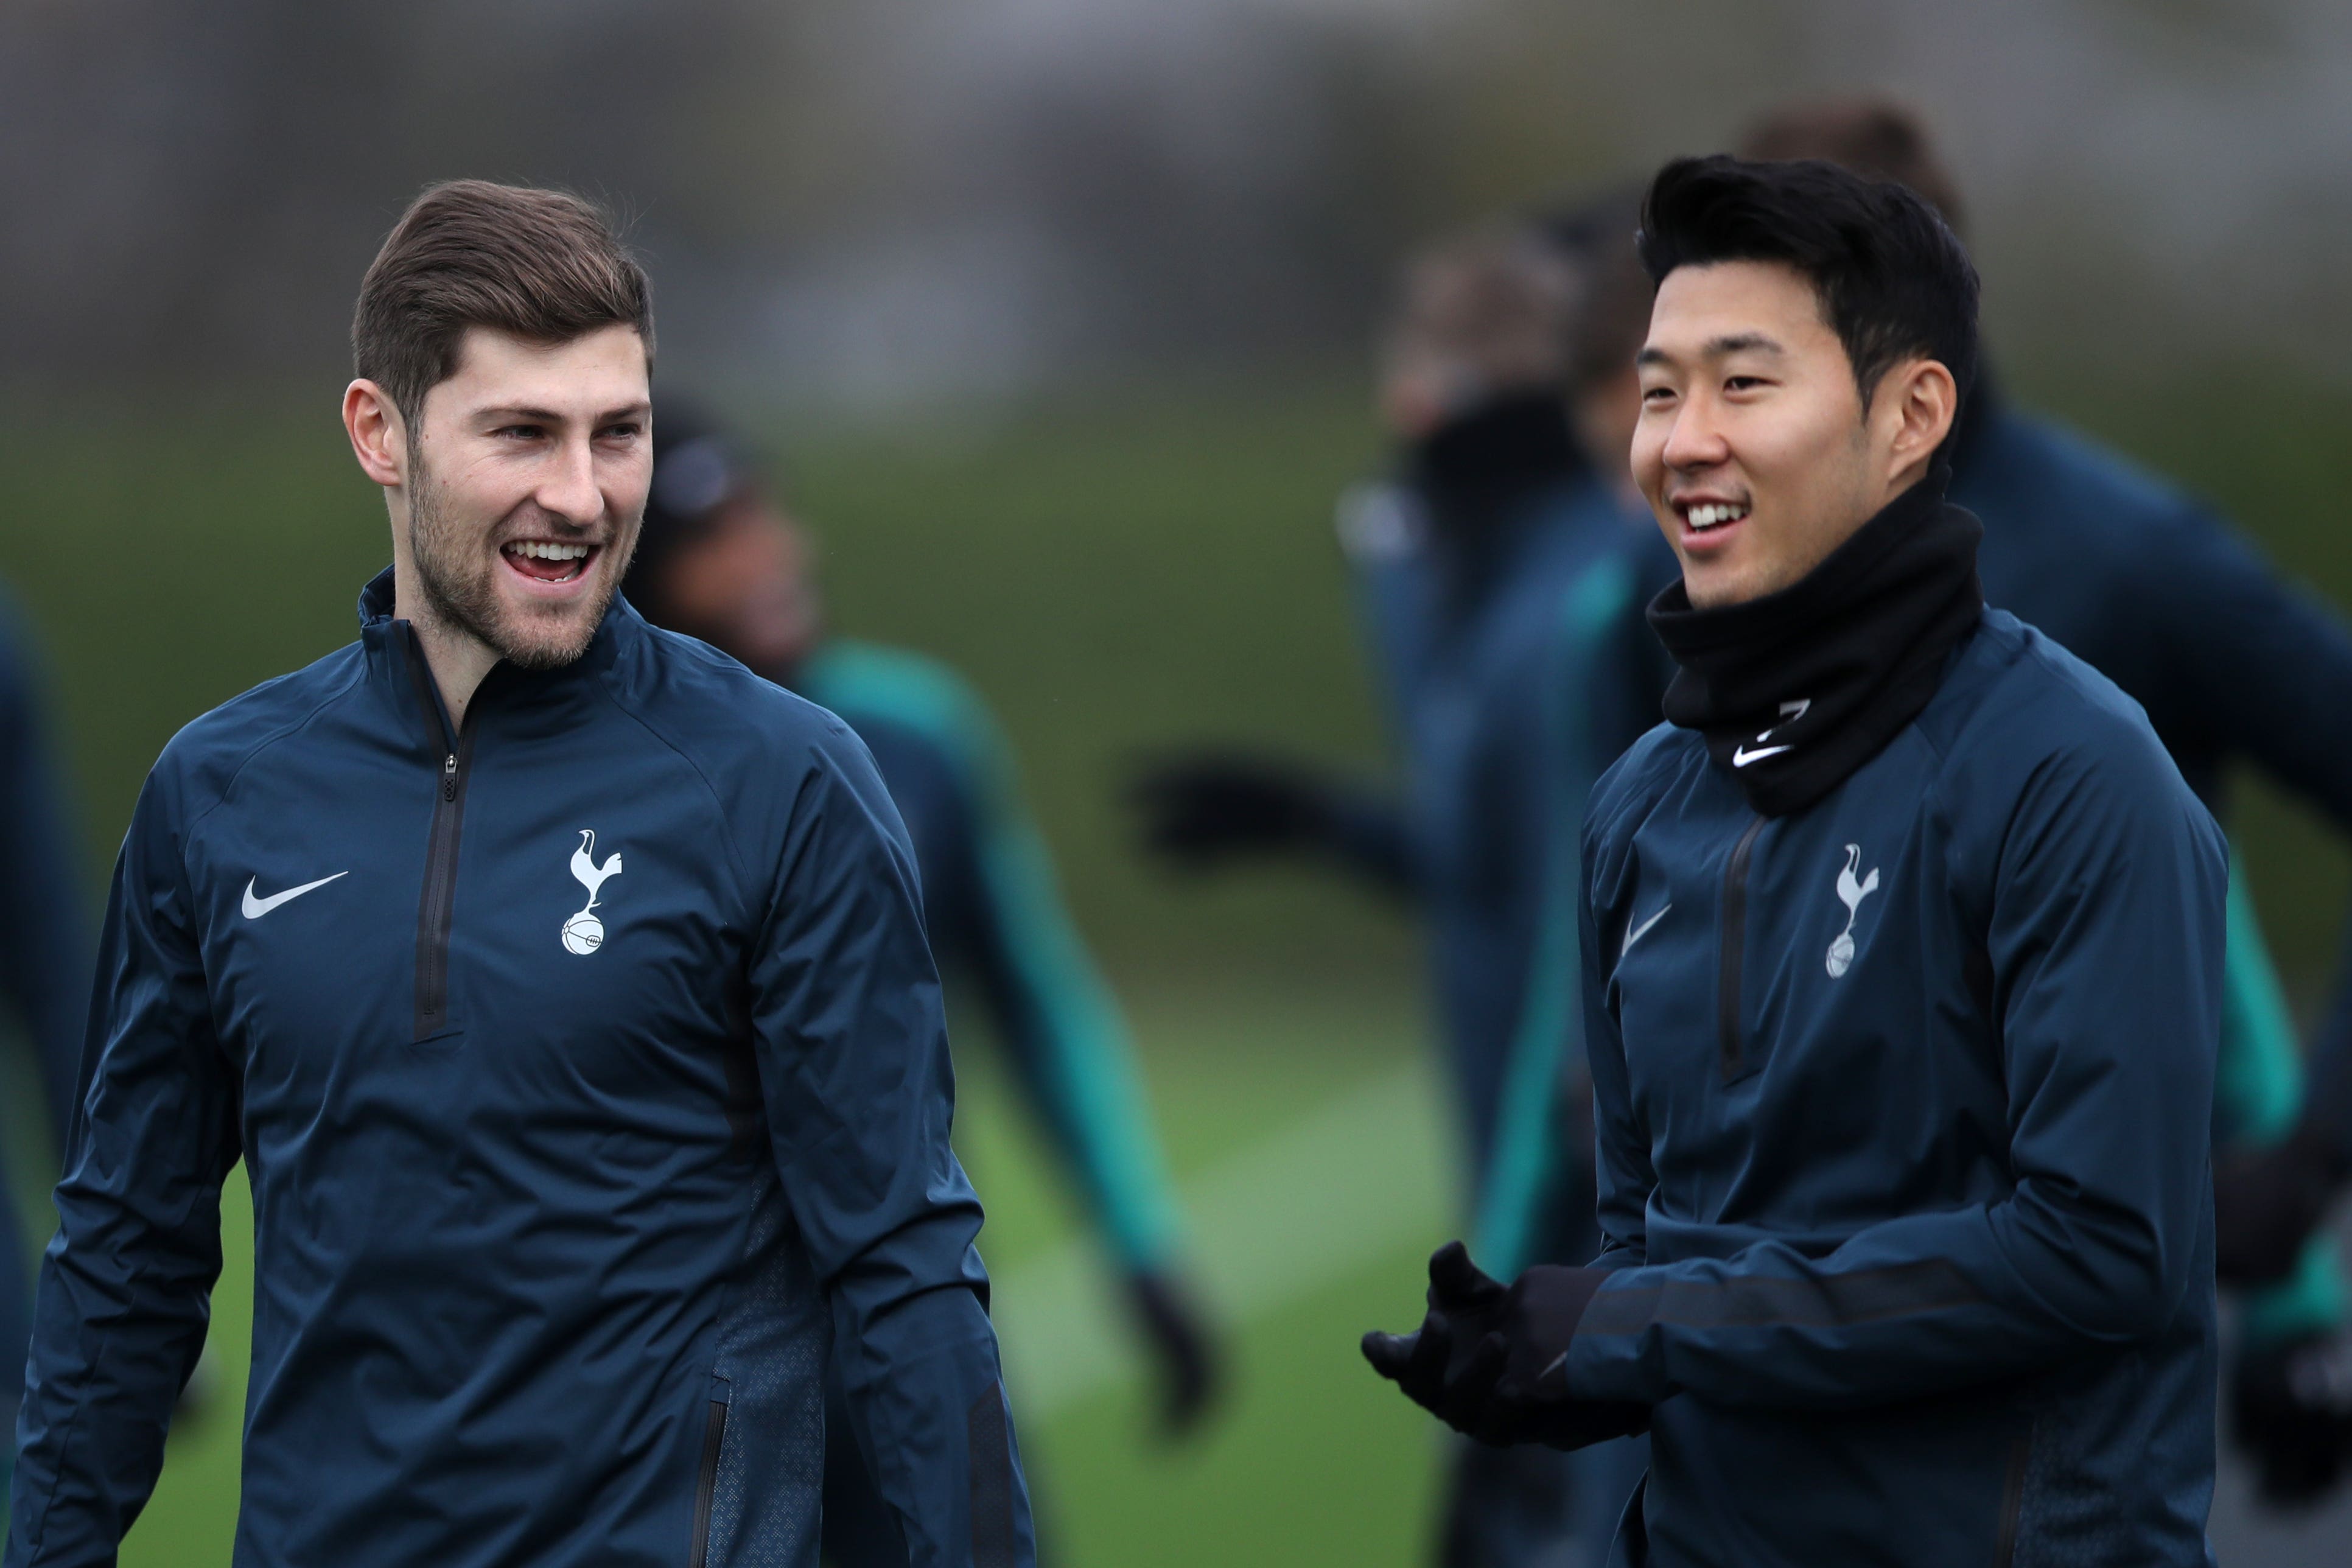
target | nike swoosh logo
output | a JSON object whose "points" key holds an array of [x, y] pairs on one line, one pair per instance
{"points": [[1639, 931], [256, 908], [1741, 756]]}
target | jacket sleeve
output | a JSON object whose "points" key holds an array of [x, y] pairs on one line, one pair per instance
{"points": [[2105, 936], [853, 1070], [1063, 1028], [44, 945], [126, 1285]]}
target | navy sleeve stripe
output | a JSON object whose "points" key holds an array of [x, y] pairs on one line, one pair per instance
{"points": [[1872, 1295], [994, 1543]]}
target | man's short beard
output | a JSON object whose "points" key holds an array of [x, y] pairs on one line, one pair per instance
{"points": [[466, 600]]}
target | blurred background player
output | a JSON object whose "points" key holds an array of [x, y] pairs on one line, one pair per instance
{"points": [[1500, 572], [44, 984], [2179, 609], [720, 558]]}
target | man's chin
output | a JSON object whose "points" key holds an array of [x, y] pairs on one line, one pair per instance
{"points": [[545, 646], [545, 636]]}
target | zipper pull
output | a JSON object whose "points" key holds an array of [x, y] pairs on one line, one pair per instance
{"points": [[449, 778]]}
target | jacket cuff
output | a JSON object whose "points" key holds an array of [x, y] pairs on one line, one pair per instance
{"points": [[1555, 1303]]}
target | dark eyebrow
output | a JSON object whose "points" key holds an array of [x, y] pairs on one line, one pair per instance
{"points": [[549, 416], [1717, 348]]}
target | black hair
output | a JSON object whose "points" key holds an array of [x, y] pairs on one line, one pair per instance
{"points": [[696, 471], [1892, 280]]}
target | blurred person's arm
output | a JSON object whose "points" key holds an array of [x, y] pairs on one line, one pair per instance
{"points": [[44, 963], [1214, 805], [2288, 1406], [851, 1045], [126, 1284], [2258, 1097], [1072, 1053], [2267, 667]]}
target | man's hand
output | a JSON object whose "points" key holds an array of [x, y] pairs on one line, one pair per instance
{"points": [[2291, 1410], [2266, 1203], [1486, 1360], [1452, 1364], [1186, 1349], [1210, 806]]}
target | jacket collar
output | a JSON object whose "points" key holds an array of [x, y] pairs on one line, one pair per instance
{"points": [[393, 655]]}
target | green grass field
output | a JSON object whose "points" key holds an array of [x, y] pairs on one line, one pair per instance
{"points": [[1118, 578]]}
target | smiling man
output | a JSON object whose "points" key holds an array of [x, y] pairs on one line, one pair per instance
{"points": [[1903, 949], [562, 986]]}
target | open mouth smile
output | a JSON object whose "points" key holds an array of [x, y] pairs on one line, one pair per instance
{"points": [[1709, 523], [1707, 516], [547, 560]]}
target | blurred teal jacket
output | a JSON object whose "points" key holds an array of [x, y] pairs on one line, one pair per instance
{"points": [[993, 912]]}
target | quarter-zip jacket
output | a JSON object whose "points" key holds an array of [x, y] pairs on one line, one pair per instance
{"points": [[1903, 1103], [588, 1067]]}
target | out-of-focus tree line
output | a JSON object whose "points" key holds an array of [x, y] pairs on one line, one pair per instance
{"points": [[845, 200]]}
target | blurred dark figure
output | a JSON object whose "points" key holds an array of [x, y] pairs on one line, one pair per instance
{"points": [[2177, 607], [1500, 572], [720, 558], [44, 974]]}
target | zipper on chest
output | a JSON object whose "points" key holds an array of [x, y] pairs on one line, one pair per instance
{"points": [[1730, 1036], [438, 900]]}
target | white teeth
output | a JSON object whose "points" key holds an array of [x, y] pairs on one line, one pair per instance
{"points": [[544, 551], [1709, 514]]}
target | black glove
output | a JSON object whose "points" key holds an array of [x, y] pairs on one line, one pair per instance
{"points": [[2291, 1410], [1486, 1360], [1215, 806], [2267, 1202], [1186, 1348]]}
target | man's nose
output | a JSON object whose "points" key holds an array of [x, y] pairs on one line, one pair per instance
{"points": [[1695, 441], [570, 490]]}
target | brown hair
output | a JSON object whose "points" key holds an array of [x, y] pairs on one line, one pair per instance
{"points": [[1610, 315], [542, 265], [1877, 138], [1480, 312]]}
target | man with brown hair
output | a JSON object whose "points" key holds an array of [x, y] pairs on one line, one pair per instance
{"points": [[563, 987]]}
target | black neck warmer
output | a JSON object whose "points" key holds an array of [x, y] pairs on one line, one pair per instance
{"points": [[1797, 689]]}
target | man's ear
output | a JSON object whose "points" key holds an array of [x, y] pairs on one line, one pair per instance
{"points": [[1922, 400], [379, 436]]}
